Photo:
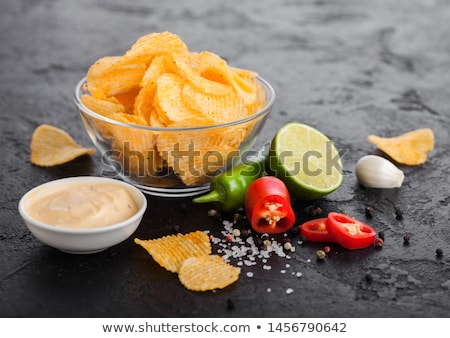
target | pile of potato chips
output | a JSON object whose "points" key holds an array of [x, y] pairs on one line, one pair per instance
{"points": [[159, 83], [190, 256]]}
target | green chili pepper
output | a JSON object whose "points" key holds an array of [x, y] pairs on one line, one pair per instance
{"points": [[228, 188]]}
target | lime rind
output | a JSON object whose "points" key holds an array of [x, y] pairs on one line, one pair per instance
{"points": [[306, 160]]}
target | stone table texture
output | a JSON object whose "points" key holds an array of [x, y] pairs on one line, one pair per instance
{"points": [[350, 68]]}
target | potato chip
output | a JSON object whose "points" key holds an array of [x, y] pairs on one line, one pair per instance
{"points": [[411, 148], [105, 107], [217, 108], [195, 156], [52, 146], [193, 75], [148, 46], [171, 251], [207, 273]]}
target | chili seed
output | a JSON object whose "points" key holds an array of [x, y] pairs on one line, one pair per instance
{"points": [[406, 239], [439, 252], [236, 232], [320, 254], [229, 238], [369, 212], [267, 243], [327, 249], [287, 246]]}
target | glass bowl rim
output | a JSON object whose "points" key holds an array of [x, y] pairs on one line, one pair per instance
{"points": [[268, 106]]}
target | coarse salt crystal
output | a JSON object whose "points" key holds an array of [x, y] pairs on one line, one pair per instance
{"points": [[249, 274], [289, 291]]}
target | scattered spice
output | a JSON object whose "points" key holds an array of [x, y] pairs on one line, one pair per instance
{"points": [[236, 232], [293, 232], [327, 249], [229, 238], [381, 235], [212, 213], [230, 305], [439, 252], [320, 254], [313, 210], [245, 233], [398, 213], [287, 246], [379, 242], [369, 212], [368, 278], [267, 243], [406, 239], [237, 217]]}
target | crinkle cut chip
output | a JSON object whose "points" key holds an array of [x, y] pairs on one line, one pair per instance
{"points": [[52, 146], [171, 251]]}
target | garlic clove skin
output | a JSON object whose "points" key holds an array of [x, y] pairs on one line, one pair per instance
{"points": [[376, 172]]}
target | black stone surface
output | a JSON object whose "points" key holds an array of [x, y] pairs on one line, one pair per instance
{"points": [[349, 68]]}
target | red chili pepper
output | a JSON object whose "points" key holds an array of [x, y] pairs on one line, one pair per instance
{"points": [[315, 230], [349, 232], [268, 206]]}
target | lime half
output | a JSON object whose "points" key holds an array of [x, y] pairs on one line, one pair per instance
{"points": [[306, 160]]}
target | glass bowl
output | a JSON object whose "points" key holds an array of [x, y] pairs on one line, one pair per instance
{"points": [[171, 162]]}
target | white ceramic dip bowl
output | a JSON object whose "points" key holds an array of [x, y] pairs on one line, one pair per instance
{"points": [[82, 238]]}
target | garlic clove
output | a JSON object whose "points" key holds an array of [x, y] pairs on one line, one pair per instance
{"points": [[377, 172]]}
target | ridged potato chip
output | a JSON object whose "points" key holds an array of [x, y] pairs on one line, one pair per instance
{"points": [[171, 251], [411, 148], [207, 273], [52, 146]]}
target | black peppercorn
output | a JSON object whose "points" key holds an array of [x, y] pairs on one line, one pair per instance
{"points": [[439, 252], [381, 234], [313, 210], [406, 239], [398, 213], [230, 305], [293, 231], [369, 212]]}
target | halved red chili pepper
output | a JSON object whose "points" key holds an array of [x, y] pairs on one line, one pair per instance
{"points": [[268, 206], [349, 232], [315, 230]]}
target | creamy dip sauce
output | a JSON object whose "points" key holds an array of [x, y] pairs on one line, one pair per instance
{"points": [[83, 205]]}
